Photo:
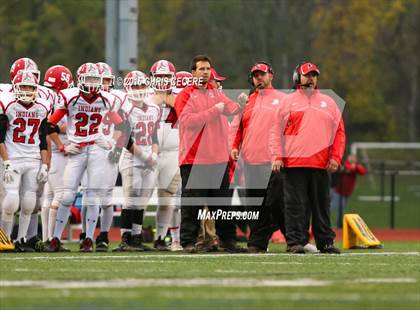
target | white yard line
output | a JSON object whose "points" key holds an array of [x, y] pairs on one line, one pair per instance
{"points": [[94, 256], [125, 283], [181, 282]]}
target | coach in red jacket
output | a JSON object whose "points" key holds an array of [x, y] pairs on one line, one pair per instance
{"points": [[203, 155], [251, 133], [307, 142]]}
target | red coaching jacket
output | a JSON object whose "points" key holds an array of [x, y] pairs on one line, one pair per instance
{"points": [[251, 131], [203, 129], [308, 131]]}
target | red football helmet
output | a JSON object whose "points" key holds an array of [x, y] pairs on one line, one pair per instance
{"points": [[58, 77], [108, 78], [89, 80], [163, 73], [183, 79], [135, 84], [25, 64], [25, 86]]}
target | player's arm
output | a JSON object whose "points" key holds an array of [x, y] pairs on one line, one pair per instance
{"points": [[235, 136], [4, 121], [43, 143]]}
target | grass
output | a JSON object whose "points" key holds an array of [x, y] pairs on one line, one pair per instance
{"points": [[355, 280]]}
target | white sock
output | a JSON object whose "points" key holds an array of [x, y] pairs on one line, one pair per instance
{"points": [[33, 226], [44, 222], [52, 216], [176, 221], [24, 220], [63, 214], [83, 215], [136, 229], [107, 214], [92, 214], [163, 218]]}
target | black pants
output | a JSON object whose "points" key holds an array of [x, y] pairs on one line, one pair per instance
{"points": [[271, 207], [306, 193], [198, 183]]}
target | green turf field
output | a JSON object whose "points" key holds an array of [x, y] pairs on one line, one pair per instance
{"points": [[368, 279]]}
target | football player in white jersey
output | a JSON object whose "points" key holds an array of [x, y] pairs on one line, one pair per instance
{"points": [[28, 65], [167, 171], [85, 106], [138, 160], [23, 148], [56, 78], [110, 166]]}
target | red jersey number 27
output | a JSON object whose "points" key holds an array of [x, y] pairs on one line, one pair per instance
{"points": [[19, 135]]}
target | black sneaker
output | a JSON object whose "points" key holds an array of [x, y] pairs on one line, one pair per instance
{"points": [[124, 246], [137, 245], [160, 245], [87, 246], [329, 249], [231, 247], [295, 249], [22, 246], [102, 242], [36, 243], [82, 237]]}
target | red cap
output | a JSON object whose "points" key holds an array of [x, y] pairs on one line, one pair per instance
{"points": [[308, 67], [260, 67], [215, 76]]}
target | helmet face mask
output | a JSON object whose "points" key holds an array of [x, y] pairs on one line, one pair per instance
{"points": [[135, 84], [89, 84], [25, 87], [89, 79]]}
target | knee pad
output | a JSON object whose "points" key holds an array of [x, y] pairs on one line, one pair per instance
{"points": [[175, 184], [28, 203], [68, 198]]}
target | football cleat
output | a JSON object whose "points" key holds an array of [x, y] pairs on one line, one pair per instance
{"points": [[124, 245], [137, 245], [160, 245], [87, 246], [36, 244], [102, 242], [22, 246]]}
